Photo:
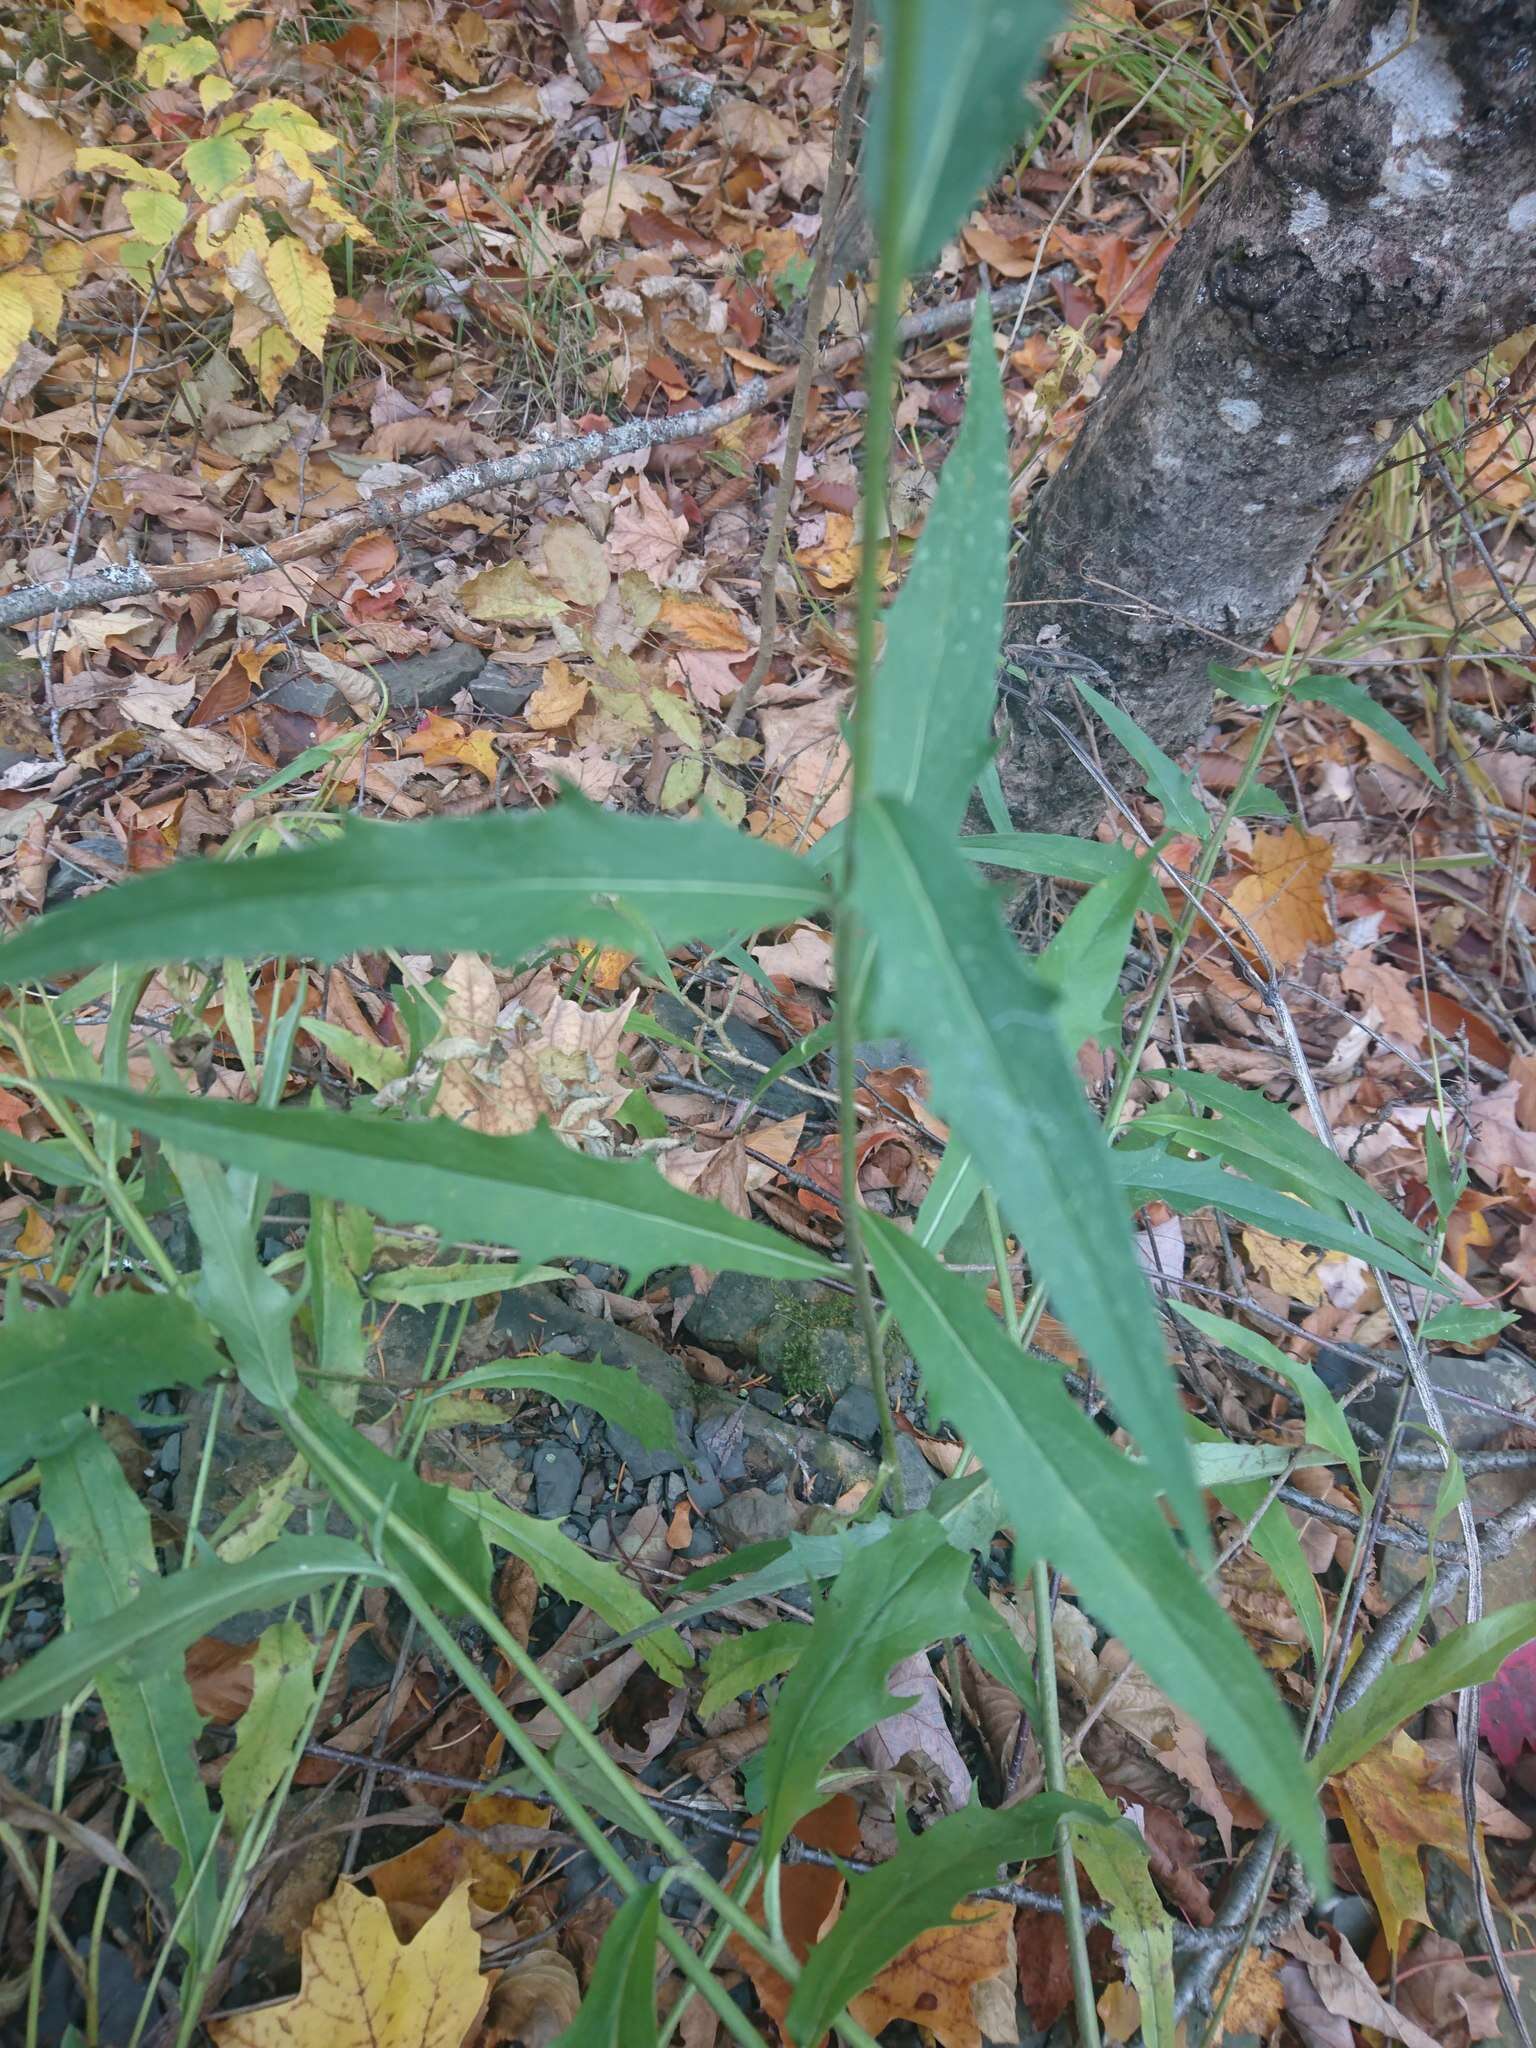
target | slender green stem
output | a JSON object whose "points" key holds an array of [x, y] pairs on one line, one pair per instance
{"points": [[50, 1863], [1056, 1779], [8, 1598], [98, 1926], [849, 946]]}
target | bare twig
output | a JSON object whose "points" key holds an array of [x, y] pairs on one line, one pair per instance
{"points": [[134, 579], [805, 375]]}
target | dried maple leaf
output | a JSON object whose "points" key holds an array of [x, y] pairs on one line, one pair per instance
{"points": [[444, 742], [931, 1981], [1282, 898], [1395, 1802], [1440, 1991], [362, 1989]]}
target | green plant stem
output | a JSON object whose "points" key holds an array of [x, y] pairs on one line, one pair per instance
{"points": [[1056, 1780], [849, 946], [98, 1926], [45, 1915]]}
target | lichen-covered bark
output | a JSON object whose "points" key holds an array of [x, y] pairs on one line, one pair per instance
{"points": [[1375, 238]]}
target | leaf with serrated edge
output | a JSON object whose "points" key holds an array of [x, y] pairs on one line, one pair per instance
{"points": [[1076, 1500], [619, 2010], [915, 1890], [103, 1533], [107, 1348], [949, 979], [282, 1699], [501, 885], [531, 1192], [176, 1611], [891, 1598]]}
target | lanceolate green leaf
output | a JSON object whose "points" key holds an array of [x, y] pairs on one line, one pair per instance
{"points": [[1256, 1134], [173, 1612], [740, 1664], [1165, 779], [617, 1395], [917, 1889], [410, 1523], [533, 1192], [1053, 853], [109, 1555], [576, 1575], [106, 1348], [1076, 1500], [970, 66], [619, 2010], [891, 1598], [501, 884], [1327, 1425], [252, 1312], [932, 711], [1361, 706], [1144, 1171], [947, 978], [1469, 1656], [1275, 1539]]}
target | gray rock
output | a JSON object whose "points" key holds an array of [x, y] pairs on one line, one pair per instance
{"points": [[307, 695], [24, 1518], [706, 1495], [600, 1539], [502, 691], [721, 1071], [644, 1465], [423, 681], [753, 1516], [918, 1477], [556, 1481], [855, 1415], [170, 1454]]}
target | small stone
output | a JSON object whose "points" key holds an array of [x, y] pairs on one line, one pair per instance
{"points": [[23, 1518], [170, 1454], [600, 1540], [574, 1526], [918, 1477], [855, 1415], [675, 1486], [423, 681], [501, 691], [643, 1464], [307, 695], [706, 1495], [753, 1516], [556, 1481]]}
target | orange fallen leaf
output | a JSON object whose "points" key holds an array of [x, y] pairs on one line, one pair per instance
{"points": [[361, 1988], [810, 1896], [444, 742], [701, 623], [1282, 898], [931, 1981], [415, 1884], [557, 699]]}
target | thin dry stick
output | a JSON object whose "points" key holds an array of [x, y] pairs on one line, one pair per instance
{"points": [[805, 375], [133, 579]]}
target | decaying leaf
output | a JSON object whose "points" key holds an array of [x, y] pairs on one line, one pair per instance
{"points": [[1282, 897]]}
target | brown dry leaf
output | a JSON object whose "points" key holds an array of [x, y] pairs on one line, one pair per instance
{"points": [[810, 1896], [701, 623], [805, 956], [1341, 1987], [534, 2002], [576, 565], [1440, 1991], [1282, 898], [1396, 1802], [444, 742], [931, 1981], [557, 699], [807, 765], [1502, 1139], [1390, 1004], [362, 1989], [414, 1884], [1284, 1266], [560, 1064], [42, 149], [921, 1727], [645, 536]]}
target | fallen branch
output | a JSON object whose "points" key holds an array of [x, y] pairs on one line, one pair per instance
{"points": [[133, 579]]}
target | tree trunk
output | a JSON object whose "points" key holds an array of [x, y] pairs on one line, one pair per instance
{"points": [[1376, 237]]}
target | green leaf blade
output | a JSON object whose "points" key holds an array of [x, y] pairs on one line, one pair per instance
{"points": [[1002, 1076], [1358, 704], [502, 884], [1075, 1500]]}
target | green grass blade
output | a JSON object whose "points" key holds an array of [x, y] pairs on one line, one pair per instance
{"points": [[502, 884], [1077, 1501], [533, 1193], [947, 978], [619, 2010]]}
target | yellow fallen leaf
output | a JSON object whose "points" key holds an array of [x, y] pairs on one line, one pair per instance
{"points": [[1284, 1266], [444, 742], [361, 1988], [1282, 899], [699, 622], [302, 287], [557, 699]]}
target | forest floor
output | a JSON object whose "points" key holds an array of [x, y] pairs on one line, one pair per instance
{"points": [[488, 256]]}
